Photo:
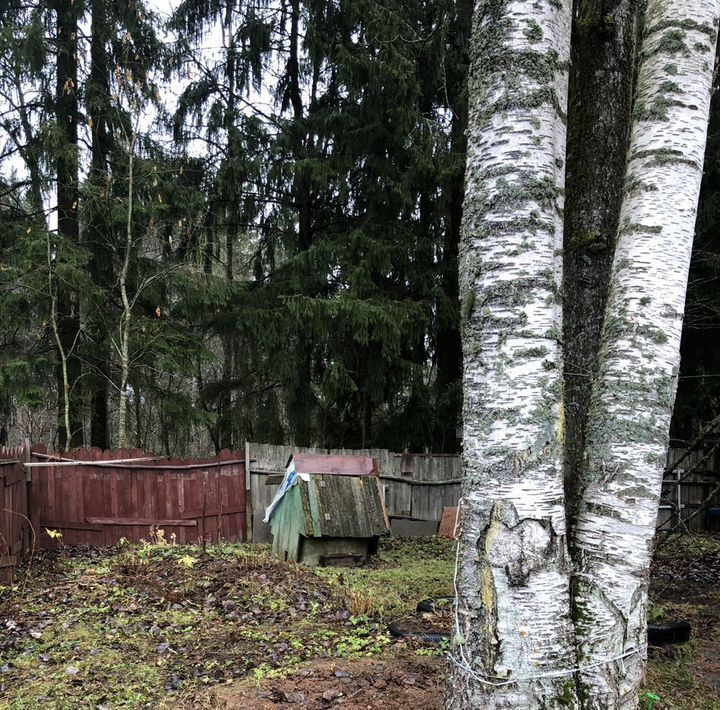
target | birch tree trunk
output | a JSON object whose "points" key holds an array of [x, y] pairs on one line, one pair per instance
{"points": [[629, 421], [513, 620], [126, 315]]}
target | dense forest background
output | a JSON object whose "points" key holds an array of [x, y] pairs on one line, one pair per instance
{"points": [[240, 220]]}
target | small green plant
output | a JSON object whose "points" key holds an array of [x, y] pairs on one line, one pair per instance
{"points": [[264, 671], [187, 561], [655, 613], [441, 649], [649, 699]]}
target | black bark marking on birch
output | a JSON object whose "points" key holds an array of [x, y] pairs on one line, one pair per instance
{"points": [[521, 550], [688, 25], [486, 586]]}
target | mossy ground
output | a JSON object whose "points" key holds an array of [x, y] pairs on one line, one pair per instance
{"points": [[169, 626], [162, 625]]}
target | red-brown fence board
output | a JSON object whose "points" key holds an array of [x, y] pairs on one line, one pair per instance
{"points": [[14, 526], [100, 504]]}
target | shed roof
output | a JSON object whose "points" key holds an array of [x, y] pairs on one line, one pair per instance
{"points": [[329, 464], [342, 506]]}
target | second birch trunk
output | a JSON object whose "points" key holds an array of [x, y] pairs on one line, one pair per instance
{"points": [[629, 421]]}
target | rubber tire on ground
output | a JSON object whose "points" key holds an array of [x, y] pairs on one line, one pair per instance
{"points": [[675, 632], [425, 637], [429, 606]]}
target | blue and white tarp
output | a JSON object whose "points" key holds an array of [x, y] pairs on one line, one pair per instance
{"points": [[290, 479]]}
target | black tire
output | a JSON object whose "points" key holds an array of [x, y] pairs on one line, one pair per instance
{"points": [[432, 637], [675, 632], [430, 606]]}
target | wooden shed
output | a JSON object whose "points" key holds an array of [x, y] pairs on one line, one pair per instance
{"points": [[328, 511]]}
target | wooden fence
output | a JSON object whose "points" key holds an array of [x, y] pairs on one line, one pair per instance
{"points": [[691, 492], [15, 532], [416, 486], [97, 497]]}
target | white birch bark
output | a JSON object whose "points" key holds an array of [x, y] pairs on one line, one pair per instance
{"points": [[513, 621], [633, 397], [58, 341], [126, 315]]}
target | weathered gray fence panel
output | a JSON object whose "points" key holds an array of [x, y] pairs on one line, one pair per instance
{"points": [[691, 490], [418, 486]]}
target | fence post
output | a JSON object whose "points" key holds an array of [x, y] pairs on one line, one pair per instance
{"points": [[248, 496], [27, 455]]}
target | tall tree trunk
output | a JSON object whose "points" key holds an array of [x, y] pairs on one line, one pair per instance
{"points": [[68, 372], [449, 347], [6, 412], [628, 426], [599, 118], [301, 395], [96, 232], [126, 315], [513, 578], [226, 423]]}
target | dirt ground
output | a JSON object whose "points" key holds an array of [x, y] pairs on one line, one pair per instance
{"points": [[168, 626], [402, 681], [685, 586]]}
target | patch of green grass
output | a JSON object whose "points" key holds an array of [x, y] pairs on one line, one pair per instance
{"points": [[406, 572], [687, 546], [78, 664]]}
